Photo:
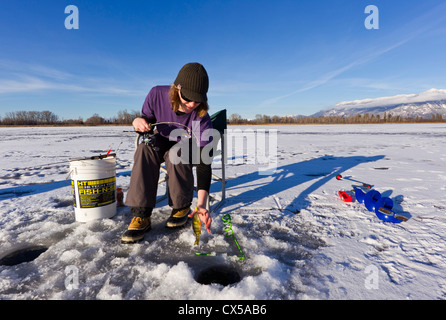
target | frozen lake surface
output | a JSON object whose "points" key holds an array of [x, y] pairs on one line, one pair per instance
{"points": [[329, 250]]}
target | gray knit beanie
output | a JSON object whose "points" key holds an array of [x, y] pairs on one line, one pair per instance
{"points": [[194, 82]]}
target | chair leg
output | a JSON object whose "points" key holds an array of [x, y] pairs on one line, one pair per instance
{"points": [[223, 165], [222, 179], [165, 195]]}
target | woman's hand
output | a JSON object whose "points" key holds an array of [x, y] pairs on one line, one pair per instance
{"points": [[204, 216], [141, 125]]}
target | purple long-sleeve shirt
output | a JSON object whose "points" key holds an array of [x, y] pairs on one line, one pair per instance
{"points": [[157, 107]]}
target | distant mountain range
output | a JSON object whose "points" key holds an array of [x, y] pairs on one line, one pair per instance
{"points": [[423, 105]]}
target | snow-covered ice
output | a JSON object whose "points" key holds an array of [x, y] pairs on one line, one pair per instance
{"points": [[330, 250]]}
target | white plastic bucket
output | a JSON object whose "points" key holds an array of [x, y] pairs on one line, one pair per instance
{"points": [[93, 182]]}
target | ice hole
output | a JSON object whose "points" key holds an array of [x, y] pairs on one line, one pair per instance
{"points": [[22, 255], [221, 274]]}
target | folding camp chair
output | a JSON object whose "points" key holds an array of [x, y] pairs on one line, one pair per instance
{"points": [[215, 201]]}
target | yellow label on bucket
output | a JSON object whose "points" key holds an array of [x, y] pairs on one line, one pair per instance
{"points": [[96, 193]]}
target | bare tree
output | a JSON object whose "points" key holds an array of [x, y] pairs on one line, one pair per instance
{"points": [[95, 120]]}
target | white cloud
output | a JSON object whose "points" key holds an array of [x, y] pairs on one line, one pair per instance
{"points": [[24, 84], [28, 78]]}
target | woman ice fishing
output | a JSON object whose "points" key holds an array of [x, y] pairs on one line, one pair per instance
{"points": [[179, 106]]}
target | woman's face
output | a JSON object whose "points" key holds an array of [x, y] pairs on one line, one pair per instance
{"points": [[187, 106]]}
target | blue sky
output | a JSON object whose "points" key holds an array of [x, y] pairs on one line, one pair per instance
{"points": [[263, 57]]}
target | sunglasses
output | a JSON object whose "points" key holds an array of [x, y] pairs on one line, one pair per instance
{"points": [[184, 98]]}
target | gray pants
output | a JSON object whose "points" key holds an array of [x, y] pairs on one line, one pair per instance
{"points": [[145, 175]]}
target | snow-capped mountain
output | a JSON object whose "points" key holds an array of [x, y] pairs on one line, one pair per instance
{"points": [[424, 105]]}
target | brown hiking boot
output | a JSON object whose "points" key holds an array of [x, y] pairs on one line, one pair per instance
{"points": [[178, 217], [136, 230]]}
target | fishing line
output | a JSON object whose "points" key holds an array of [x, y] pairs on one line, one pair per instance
{"points": [[111, 147]]}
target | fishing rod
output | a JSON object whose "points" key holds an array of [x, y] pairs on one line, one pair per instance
{"points": [[189, 130], [99, 157], [149, 139]]}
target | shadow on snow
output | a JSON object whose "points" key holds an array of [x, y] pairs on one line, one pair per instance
{"points": [[320, 170]]}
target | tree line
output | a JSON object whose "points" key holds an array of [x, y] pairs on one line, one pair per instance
{"points": [[36, 118], [354, 119], [124, 117]]}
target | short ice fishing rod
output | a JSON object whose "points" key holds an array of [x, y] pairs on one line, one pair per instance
{"points": [[153, 125]]}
